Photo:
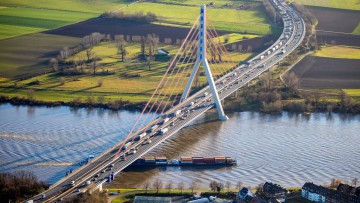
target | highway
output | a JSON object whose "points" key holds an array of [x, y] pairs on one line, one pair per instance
{"points": [[100, 168]]}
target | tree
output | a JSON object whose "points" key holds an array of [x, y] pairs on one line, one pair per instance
{"points": [[228, 185], [335, 182], [169, 185], [122, 49], [158, 184], [149, 59], [291, 82], [89, 53], [219, 187], [94, 64], [30, 94], [181, 186], [142, 46], [53, 63], [19, 185], [354, 181], [259, 189], [65, 53], [213, 185], [146, 186], [100, 82], [193, 186], [239, 185], [330, 107], [62, 80]]}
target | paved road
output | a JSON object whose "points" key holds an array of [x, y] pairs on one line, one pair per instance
{"points": [[293, 34]]}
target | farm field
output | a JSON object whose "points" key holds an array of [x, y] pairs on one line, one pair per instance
{"points": [[328, 73], [341, 52], [24, 17], [231, 20], [357, 30], [114, 86], [29, 54], [331, 19], [342, 4]]}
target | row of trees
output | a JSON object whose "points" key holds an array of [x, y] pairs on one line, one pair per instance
{"points": [[137, 16], [214, 186], [19, 185]]}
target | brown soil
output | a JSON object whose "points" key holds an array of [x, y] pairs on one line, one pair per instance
{"points": [[336, 20], [120, 27], [328, 73], [339, 39]]}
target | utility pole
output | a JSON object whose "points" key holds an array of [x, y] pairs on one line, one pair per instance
{"points": [[202, 59]]}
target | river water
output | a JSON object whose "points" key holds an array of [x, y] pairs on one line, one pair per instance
{"points": [[288, 149]]}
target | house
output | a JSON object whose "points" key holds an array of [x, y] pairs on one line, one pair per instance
{"points": [[321, 194], [314, 192], [345, 188], [162, 52], [245, 194], [274, 191]]}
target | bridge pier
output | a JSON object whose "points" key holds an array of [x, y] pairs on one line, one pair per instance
{"points": [[202, 59]]}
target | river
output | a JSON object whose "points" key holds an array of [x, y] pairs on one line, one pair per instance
{"points": [[288, 149]]}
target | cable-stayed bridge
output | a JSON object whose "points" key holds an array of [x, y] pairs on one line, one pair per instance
{"points": [[174, 104]]}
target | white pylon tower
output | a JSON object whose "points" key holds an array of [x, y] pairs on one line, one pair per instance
{"points": [[202, 59]]}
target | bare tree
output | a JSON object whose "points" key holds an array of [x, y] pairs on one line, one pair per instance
{"points": [[100, 82], [181, 186], [158, 184], [122, 49], [142, 46], [291, 82], [335, 182], [239, 185], [30, 94], [54, 63], [65, 53], [62, 80], [169, 185], [94, 64], [228, 185], [213, 185], [149, 59], [146, 186], [89, 53], [81, 62], [354, 181], [193, 186]]}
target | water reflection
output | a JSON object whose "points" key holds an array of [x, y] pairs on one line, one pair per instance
{"points": [[288, 149]]}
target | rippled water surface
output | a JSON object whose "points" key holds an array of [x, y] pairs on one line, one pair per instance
{"points": [[288, 149]]}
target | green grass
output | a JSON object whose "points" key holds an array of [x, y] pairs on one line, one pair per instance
{"points": [[7, 31], [30, 53], [235, 37], [357, 30], [114, 86], [341, 52], [342, 4], [90, 6], [18, 17], [251, 21]]}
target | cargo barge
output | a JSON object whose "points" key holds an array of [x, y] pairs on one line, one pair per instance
{"points": [[185, 161]]}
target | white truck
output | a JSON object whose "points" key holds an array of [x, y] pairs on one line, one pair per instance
{"points": [[140, 136], [205, 94], [163, 131], [126, 145]]}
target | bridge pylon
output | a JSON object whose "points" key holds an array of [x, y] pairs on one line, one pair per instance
{"points": [[202, 59]]}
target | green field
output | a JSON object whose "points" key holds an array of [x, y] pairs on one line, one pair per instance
{"points": [[114, 85], [19, 17], [342, 52], [357, 30], [250, 21], [342, 4], [29, 54]]}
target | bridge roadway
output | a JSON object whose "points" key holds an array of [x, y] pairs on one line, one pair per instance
{"points": [[293, 34]]}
